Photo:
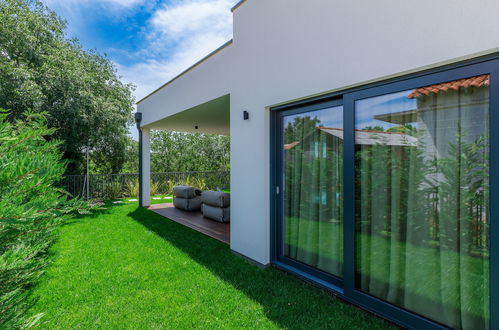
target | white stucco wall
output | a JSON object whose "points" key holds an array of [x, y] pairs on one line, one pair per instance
{"points": [[201, 84], [287, 49]]}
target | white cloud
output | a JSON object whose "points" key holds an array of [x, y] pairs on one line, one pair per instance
{"points": [[152, 73], [177, 21], [124, 3], [67, 3], [179, 35]]}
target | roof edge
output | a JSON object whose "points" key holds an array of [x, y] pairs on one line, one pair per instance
{"points": [[187, 70], [237, 5]]}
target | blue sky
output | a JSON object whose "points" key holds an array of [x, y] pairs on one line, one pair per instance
{"points": [[150, 41], [367, 109]]}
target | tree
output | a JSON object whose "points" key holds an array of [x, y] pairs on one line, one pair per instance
{"points": [[176, 151], [41, 70], [31, 208], [131, 164]]}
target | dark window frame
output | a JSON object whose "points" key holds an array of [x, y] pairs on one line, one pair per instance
{"points": [[345, 288], [335, 281]]}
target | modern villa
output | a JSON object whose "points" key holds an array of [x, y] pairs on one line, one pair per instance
{"points": [[364, 137]]}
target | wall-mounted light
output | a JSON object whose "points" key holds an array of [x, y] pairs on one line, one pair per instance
{"points": [[138, 118], [245, 115]]}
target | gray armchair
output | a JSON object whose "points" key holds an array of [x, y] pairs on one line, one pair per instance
{"points": [[216, 205], [187, 198]]}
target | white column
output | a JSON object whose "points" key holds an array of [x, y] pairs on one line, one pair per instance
{"points": [[146, 168]]}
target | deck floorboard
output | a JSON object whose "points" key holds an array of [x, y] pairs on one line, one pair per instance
{"points": [[194, 220]]}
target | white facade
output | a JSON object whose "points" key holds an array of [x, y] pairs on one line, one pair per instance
{"points": [[283, 50]]}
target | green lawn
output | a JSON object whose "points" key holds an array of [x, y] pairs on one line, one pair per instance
{"points": [[127, 267]]}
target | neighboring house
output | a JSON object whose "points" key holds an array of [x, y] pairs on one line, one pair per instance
{"points": [[362, 140], [444, 104]]}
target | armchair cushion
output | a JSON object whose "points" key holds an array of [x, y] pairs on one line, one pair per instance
{"points": [[187, 204], [216, 198], [185, 192], [216, 213]]}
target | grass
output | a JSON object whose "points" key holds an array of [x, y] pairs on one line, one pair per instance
{"points": [[130, 268]]}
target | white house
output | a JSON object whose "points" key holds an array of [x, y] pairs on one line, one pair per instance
{"points": [[404, 229]]}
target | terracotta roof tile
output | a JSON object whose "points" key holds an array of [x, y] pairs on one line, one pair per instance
{"points": [[291, 145], [478, 81]]}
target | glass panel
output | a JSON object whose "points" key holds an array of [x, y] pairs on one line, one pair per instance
{"points": [[313, 189], [422, 188]]}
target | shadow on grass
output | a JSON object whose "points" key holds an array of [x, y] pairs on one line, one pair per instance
{"points": [[287, 301]]}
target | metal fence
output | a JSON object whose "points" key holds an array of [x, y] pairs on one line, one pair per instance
{"points": [[109, 186]]}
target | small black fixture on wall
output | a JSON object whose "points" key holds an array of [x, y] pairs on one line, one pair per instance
{"points": [[245, 115]]}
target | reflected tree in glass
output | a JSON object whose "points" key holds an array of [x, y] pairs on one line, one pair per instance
{"points": [[313, 188], [422, 201]]}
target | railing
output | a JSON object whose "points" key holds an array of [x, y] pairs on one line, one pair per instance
{"points": [[110, 186]]}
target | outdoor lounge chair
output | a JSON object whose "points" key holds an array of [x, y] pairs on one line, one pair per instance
{"points": [[216, 205], [186, 198]]}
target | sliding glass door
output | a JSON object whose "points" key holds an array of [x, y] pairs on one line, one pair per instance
{"points": [[312, 188], [422, 194], [383, 194]]}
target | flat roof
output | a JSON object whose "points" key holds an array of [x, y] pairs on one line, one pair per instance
{"points": [[188, 69], [237, 5]]}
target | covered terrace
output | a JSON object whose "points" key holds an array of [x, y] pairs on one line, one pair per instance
{"points": [[211, 117]]}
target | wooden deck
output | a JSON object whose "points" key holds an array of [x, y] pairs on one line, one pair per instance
{"points": [[194, 220]]}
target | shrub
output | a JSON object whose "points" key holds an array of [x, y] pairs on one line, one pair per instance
{"points": [[169, 187], [114, 190], [132, 188], [154, 188], [31, 208], [199, 183], [191, 181]]}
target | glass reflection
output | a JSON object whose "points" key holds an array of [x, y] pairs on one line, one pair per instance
{"points": [[313, 189], [422, 188]]}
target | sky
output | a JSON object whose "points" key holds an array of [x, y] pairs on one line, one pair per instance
{"points": [[149, 41]]}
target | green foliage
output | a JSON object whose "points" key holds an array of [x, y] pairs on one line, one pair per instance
{"points": [[169, 187], [41, 70], [31, 208], [461, 195], [183, 152], [132, 188], [154, 188], [131, 164], [198, 182], [159, 186], [114, 189], [447, 199]]}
